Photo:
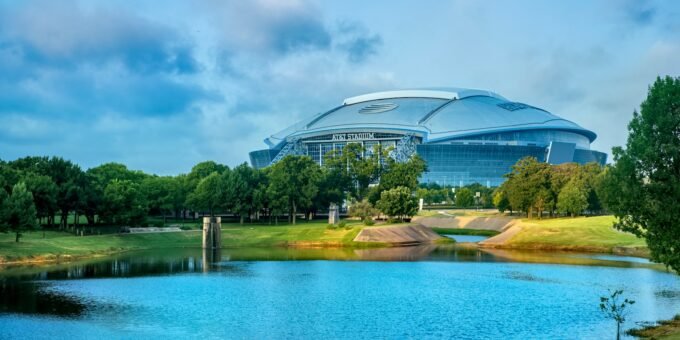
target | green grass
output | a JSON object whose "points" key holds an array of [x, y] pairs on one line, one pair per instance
{"points": [[461, 231], [57, 244], [578, 232]]}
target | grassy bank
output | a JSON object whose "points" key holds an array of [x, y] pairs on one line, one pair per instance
{"points": [[594, 234], [665, 330], [60, 245]]}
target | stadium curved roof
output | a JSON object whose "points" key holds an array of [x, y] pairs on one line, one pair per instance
{"points": [[435, 114]]}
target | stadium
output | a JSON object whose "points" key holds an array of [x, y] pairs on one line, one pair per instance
{"points": [[465, 136]]}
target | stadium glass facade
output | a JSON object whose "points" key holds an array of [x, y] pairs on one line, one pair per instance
{"points": [[464, 136]]}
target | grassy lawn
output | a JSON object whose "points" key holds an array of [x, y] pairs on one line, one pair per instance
{"points": [[582, 231], [56, 243]]}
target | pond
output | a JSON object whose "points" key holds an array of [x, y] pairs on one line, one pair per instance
{"points": [[415, 292], [467, 238]]}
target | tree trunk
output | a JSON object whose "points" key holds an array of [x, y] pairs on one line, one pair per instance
{"points": [[294, 212], [17, 237], [618, 331], [241, 221]]}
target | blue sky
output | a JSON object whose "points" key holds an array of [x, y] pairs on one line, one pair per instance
{"points": [[161, 86]]}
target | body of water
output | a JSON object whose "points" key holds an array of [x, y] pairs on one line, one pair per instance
{"points": [[416, 292], [467, 238]]}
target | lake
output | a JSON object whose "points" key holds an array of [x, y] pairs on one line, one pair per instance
{"points": [[415, 292]]}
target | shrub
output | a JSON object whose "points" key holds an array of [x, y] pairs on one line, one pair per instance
{"points": [[369, 222], [342, 224], [364, 210], [331, 227]]}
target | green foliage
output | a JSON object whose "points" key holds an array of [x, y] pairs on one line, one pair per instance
{"points": [[364, 210], [17, 211], [615, 309], [404, 174], [397, 203], [342, 224], [643, 187], [209, 194], [355, 168], [124, 204], [500, 200], [44, 193], [573, 199], [464, 198], [294, 180]]}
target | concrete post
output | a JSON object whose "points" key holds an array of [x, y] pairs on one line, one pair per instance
{"points": [[212, 233], [333, 214]]}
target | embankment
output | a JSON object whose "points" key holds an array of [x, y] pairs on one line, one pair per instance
{"points": [[399, 235]]}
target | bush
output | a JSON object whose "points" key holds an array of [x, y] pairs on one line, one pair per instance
{"points": [[331, 227], [369, 222], [185, 227], [342, 224], [364, 210], [349, 227], [398, 203]]}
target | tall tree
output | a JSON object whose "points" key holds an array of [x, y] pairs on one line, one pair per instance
{"points": [[573, 197], [19, 211], [209, 194], [295, 179], [528, 186], [464, 198], [644, 183], [44, 193], [404, 174], [124, 203], [160, 193], [240, 185]]}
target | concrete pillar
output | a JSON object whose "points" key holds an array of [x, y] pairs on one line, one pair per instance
{"points": [[212, 233], [333, 214]]}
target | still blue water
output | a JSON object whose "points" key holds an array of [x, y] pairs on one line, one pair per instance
{"points": [[467, 238], [437, 293]]}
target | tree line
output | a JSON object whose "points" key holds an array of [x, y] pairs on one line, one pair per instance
{"points": [[536, 188], [48, 190]]}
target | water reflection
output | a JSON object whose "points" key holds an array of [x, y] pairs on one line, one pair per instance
{"points": [[27, 290], [28, 297]]}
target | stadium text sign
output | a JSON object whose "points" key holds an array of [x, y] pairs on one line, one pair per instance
{"points": [[353, 136]]}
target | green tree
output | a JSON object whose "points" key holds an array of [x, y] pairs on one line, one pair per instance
{"points": [[124, 203], [397, 203], [528, 186], [592, 180], [160, 193], [44, 194], [364, 210], [356, 168], [644, 183], [573, 198], [18, 211], [241, 184], [295, 180], [209, 194], [560, 176], [615, 309], [464, 198], [500, 200], [404, 174]]}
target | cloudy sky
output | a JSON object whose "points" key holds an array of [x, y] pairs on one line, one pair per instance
{"points": [[161, 86]]}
